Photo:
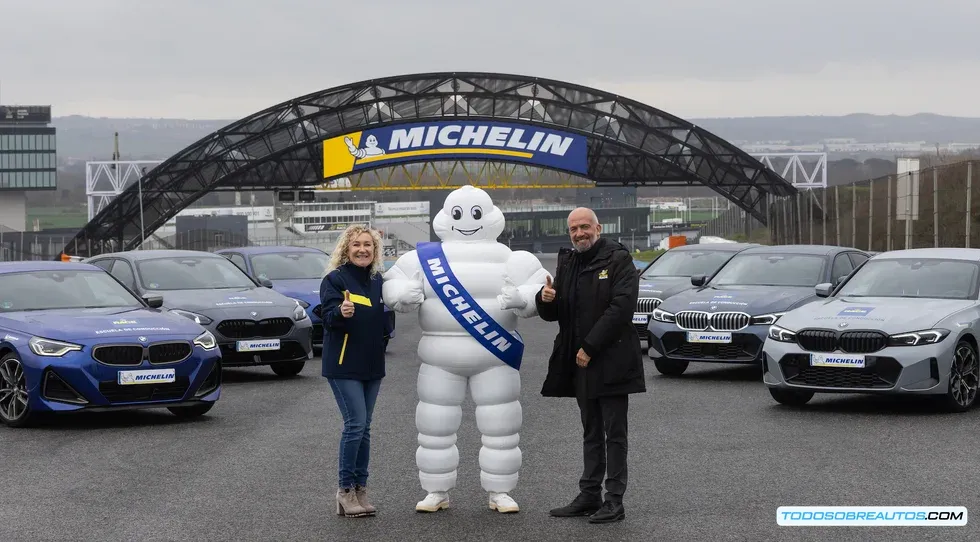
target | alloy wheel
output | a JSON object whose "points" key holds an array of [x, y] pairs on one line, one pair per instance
{"points": [[964, 375], [13, 390]]}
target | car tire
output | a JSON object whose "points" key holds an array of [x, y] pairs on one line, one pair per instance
{"points": [[288, 368], [193, 411], [669, 367], [11, 367], [964, 376], [791, 397]]}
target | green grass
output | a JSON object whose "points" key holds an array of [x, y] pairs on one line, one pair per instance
{"points": [[647, 255], [57, 217]]}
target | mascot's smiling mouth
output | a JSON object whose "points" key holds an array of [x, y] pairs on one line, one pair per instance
{"points": [[467, 232]]}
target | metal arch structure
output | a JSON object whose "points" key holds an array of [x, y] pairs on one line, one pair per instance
{"points": [[629, 144]]}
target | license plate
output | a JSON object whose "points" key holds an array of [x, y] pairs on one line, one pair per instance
{"points": [[708, 337], [639, 318], [258, 346], [837, 360], [149, 376]]}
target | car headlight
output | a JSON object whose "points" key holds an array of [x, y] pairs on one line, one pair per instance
{"points": [[300, 302], [766, 319], [206, 341], [917, 338], [53, 349], [781, 334], [662, 316], [299, 313], [199, 318]]}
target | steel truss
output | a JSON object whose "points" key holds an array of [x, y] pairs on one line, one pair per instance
{"points": [[456, 173], [104, 180], [629, 144], [795, 168]]}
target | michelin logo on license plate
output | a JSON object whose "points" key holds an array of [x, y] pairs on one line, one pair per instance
{"points": [[258, 346], [836, 360], [640, 318], [149, 376], [708, 337]]}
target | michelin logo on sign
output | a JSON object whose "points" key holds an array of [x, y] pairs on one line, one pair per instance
{"points": [[509, 142]]}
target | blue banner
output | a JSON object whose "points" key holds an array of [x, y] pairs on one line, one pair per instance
{"points": [[465, 310], [459, 140]]}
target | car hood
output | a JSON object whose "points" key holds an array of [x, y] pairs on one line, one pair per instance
{"points": [[664, 287], [303, 289], [888, 314], [85, 324], [230, 300], [754, 300]]}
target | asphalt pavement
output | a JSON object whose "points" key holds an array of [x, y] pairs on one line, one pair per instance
{"points": [[711, 458]]}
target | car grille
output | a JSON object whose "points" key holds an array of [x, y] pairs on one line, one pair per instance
{"points": [[718, 321], [56, 389], [118, 354], [251, 329], [130, 393], [169, 352], [647, 304], [288, 351], [134, 354], [853, 342], [744, 347], [879, 372]]}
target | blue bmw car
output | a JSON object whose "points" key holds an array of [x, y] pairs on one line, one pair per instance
{"points": [[295, 272], [726, 318], [73, 338]]}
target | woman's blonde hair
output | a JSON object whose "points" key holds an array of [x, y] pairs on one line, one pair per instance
{"points": [[340, 252]]}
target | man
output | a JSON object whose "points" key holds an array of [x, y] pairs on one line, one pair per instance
{"points": [[597, 357]]}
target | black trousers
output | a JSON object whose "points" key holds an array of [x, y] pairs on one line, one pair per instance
{"points": [[604, 446]]}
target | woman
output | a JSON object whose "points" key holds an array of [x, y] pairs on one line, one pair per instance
{"points": [[354, 355]]}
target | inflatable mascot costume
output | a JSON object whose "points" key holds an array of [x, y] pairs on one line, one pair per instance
{"points": [[471, 290]]}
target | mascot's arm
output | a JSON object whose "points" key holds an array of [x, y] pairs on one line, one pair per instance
{"points": [[525, 278], [619, 313], [402, 287], [331, 296]]}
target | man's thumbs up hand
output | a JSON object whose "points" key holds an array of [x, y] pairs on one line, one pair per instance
{"points": [[548, 293], [347, 307]]}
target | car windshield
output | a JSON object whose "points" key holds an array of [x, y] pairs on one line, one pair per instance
{"points": [[46, 290], [927, 278], [686, 263], [290, 265], [771, 270], [191, 273]]}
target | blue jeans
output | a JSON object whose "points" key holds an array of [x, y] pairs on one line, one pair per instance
{"points": [[356, 399]]}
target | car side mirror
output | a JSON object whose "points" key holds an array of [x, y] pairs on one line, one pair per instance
{"points": [[154, 301], [699, 280], [823, 290], [839, 280], [265, 282]]}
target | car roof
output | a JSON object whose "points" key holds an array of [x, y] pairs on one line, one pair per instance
{"points": [[949, 253], [717, 247], [814, 250], [45, 265], [140, 255], [269, 250]]}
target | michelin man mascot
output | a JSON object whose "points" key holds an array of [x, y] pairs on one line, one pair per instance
{"points": [[471, 290]]}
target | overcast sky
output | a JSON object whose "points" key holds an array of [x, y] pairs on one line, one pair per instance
{"points": [[694, 58]]}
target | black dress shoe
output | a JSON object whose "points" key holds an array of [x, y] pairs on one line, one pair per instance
{"points": [[583, 505], [610, 512]]}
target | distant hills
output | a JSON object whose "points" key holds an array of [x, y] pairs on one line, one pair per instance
{"points": [[88, 138]]}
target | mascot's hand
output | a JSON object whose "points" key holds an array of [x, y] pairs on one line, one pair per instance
{"points": [[414, 293], [510, 297]]}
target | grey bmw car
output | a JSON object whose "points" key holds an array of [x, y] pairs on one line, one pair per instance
{"points": [[671, 272], [726, 318], [905, 322], [254, 324]]}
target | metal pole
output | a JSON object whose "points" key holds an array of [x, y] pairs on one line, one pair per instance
{"points": [[871, 212], [935, 208], [823, 223], [139, 185], [969, 205], [888, 215], [908, 213], [837, 210]]}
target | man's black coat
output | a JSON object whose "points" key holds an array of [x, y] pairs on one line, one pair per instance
{"points": [[594, 306]]}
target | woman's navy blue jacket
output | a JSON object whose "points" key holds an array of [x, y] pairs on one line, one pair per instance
{"points": [[353, 347]]}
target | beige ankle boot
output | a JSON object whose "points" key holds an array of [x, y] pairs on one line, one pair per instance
{"points": [[362, 499], [347, 504]]}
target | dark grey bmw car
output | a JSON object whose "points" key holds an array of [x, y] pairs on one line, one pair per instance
{"points": [[726, 317], [254, 324]]}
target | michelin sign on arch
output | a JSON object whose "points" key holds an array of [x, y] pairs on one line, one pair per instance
{"points": [[454, 140]]}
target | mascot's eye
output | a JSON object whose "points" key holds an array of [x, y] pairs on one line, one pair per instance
{"points": [[476, 212], [457, 212]]}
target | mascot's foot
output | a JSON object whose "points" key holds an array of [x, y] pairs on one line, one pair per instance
{"points": [[503, 503], [433, 502]]}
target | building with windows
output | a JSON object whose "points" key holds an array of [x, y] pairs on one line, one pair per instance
{"points": [[28, 159]]}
